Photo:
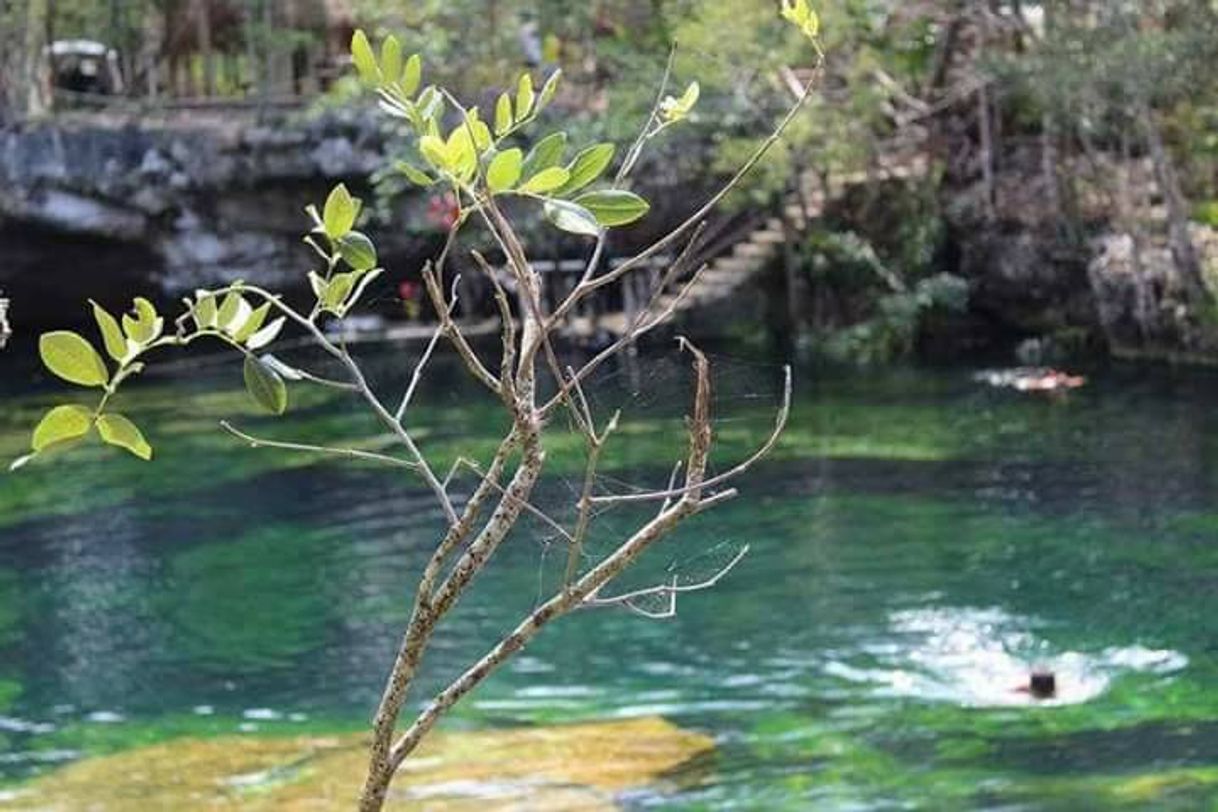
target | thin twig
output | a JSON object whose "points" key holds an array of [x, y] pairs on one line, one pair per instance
{"points": [[651, 496], [431, 347], [262, 442]]}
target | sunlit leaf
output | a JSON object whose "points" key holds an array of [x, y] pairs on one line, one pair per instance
{"points": [[435, 150], [340, 211], [365, 60], [341, 285], [412, 75], [112, 336], [674, 109], [549, 89], [391, 58], [145, 325], [60, 425], [73, 358], [205, 310], [547, 180], [524, 97], [503, 114], [571, 217], [231, 314], [265, 335], [504, 170], [252, 324], [119, 431]]}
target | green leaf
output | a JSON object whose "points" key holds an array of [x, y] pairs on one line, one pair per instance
{"points": [[391, 58], [414, 174], [462, 151], [545, 153], [524, 97], [205, 310], [266, 335], [337, 291], [435, 150], [504, 171], [802, 15], [549, 89], [318, 284], [478, 130], [61, 424], [265, 386], [340, 212], [676, 109], [588, 166], [230, 309], [412, 75], [503, 114], [112, 336], [365, 60], [571, 217], [72, 358], [118, 430], [614, 207], [252, 324], [146, 325], [357, 250], [547, 180]]}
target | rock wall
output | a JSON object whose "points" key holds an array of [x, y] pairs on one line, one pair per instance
{"points": [[91, 204]]}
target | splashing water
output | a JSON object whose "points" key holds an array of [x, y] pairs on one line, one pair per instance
{"points": [[980, 658]]}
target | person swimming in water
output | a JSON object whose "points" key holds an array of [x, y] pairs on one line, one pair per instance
{"points": [[1042, 684]]}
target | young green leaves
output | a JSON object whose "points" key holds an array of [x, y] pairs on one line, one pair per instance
{"points": [[528, 103], [337, 292], [802, 16], [673, 109], [71, 357]]}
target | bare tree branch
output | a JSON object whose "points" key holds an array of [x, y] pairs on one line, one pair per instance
{"points": [[354, 453], [671, 590]]}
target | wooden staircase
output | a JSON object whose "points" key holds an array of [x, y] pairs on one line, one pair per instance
{"points": [[744, 261]]}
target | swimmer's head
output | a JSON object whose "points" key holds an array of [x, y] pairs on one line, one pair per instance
{"points": [[1042, 684]]}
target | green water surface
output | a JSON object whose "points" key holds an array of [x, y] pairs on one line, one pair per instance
{"points": [[917, 542]]}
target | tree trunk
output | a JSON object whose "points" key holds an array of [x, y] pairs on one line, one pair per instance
{"points": [[203, 30], [36, 22]]}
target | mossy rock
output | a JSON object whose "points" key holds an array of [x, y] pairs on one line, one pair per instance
{"points": [[538, 768]]}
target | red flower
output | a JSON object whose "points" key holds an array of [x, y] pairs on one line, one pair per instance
{"points": [[443, 211], [409, 290]]}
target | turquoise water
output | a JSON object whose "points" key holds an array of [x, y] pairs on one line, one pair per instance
{"points": [[916, 544]]}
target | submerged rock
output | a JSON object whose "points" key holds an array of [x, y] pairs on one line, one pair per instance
{"points": [[538, 768]]}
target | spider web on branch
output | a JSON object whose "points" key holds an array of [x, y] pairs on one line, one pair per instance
{"points": [[654, 393]]}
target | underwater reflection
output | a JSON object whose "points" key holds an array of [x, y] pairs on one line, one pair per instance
{"points": [[983, 658]]}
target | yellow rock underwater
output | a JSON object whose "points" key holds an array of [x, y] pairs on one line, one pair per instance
{"points": [[569, 767]]}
